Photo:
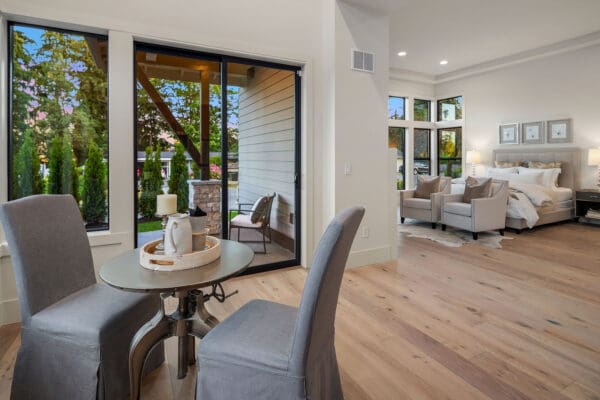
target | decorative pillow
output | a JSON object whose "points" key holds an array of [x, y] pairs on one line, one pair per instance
{"points": [[507, 164], [427, 185], [494, 171], [477, 189], [259, 209], [543, 165], [528, 179], [549, 175]]}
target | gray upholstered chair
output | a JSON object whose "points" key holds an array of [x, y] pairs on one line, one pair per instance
{"points": [[424, 209], [75, 333], [272, 351], [480, 215]]}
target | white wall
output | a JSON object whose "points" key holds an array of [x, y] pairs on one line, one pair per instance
{"points": [[561, 86], [361, 131]]}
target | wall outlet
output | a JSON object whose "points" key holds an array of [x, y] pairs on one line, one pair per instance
{"points": [[364, 233], [347, 168]]}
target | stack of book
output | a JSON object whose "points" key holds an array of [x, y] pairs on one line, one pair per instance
{"points": [[593, 214]]}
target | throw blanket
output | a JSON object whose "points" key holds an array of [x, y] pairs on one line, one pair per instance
{"points": [[523, 199]]}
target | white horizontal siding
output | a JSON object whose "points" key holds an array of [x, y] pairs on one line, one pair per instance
{"points": [[267, 143]]}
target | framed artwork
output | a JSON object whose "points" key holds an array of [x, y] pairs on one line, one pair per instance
{"points": [[509, 134], [559, 131], [532, 132]]}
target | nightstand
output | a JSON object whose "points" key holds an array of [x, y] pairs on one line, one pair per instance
{"points": [[584, 200]]}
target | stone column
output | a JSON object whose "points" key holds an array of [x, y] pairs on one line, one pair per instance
{"points": [[207, 196]]}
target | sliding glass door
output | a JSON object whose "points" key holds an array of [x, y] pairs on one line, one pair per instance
{"points": [[222, 134]]}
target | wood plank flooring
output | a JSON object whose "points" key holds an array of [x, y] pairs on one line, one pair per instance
{"points": [[522, 322]]}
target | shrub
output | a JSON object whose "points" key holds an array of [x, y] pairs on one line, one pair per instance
{"points": [[178, 179], [55, 166], [27, 169], [94, 194], [151, 182]]}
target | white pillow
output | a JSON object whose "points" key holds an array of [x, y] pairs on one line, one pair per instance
{"points": [[510, 170], [550, 175], [529, 179]]}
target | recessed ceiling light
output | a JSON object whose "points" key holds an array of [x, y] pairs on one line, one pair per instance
{"points": [[443, 62], [402, 53]]}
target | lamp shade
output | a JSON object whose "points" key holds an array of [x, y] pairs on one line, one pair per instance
{"points": [[473, 157], [594, 157]]}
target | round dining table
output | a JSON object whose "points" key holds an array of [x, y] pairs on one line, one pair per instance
{"points": [[191, 319]]}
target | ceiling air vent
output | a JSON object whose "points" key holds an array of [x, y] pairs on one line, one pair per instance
{"points": [[362, 61]]}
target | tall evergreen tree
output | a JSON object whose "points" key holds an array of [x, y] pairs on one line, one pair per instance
{"points": [[178, 179], [67, 166], [27, 168], [55, 160], [94, 192]]}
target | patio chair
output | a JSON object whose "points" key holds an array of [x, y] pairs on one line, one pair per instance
{"points": [[257, 218]]}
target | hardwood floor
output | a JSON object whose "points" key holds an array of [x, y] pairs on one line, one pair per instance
{"points": [[522, 322]]}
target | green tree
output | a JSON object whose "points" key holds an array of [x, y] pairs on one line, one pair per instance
{"points": [[178, 179], [27, 169], [67, 166], [55, 160], [151, 182], [94, 187]]}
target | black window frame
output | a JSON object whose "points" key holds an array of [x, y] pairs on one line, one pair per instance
{"points": [[9, 108], [428, 159], [459, 145], [404, 98], [439, 109], [428, 110]]}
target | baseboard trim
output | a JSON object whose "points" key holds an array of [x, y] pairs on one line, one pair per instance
{"points": [[10, 311], [369, 256]]}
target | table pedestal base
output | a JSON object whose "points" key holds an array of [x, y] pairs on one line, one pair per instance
{"points": [[191, 319]]}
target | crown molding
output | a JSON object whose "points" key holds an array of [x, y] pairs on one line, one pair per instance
{"points": [[580, 42]]}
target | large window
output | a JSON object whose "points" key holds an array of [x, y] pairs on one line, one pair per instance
{"points": [[450, 152], [396, 107], [396, 141], [422, 110], [58, 134], [422, 152], [450, 109]]}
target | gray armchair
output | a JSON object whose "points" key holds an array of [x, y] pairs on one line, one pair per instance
{"points": [[272, 351], [424, 209], [75, 333], [486, 214]]}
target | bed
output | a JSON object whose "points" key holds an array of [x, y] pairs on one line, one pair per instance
{"points": [[564, 202]]}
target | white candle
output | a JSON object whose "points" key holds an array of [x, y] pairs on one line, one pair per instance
{"points": [[166, 204]]}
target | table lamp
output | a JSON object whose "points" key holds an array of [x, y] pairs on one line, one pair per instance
{"points": [[473, 158], [594, 160]]}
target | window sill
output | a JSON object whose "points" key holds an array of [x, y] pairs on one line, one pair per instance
{"points": [[97, 239]]}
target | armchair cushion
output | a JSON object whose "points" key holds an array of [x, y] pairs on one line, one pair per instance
{"points": [[458, 208], [477, 189], [427, 185], [259, 208], [244, 221], [424, 204]]}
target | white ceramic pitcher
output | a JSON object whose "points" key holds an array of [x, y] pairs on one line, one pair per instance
{"points": [[178, 235]]}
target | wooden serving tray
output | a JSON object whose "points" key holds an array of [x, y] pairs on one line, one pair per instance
{"points": [[162, 262]]}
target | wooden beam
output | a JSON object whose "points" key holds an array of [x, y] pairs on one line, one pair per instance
{"points": [[205, 125], [169, 117]]}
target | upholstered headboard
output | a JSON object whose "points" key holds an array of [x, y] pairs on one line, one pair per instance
{"points": [[570, 158]]}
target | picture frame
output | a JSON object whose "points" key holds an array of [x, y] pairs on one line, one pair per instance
{"points": [[508, 133], [532, 132], [559, 131]]}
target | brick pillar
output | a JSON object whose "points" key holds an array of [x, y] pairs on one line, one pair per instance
{"points": [[207, 196]]}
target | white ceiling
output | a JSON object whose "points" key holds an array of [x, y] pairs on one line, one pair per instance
{"points": [[470, 32]]}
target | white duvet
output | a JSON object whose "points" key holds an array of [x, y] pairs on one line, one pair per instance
{"points": [[524, 198]]}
